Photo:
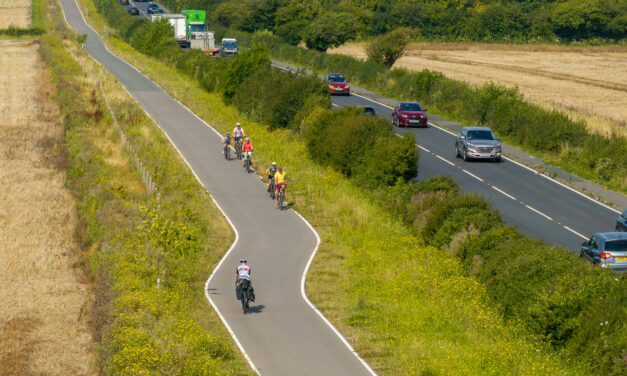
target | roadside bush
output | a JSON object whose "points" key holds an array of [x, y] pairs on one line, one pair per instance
{"points": [[330, 30], [360, 146], [387, 48]]}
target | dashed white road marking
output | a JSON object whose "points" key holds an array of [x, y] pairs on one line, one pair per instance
{"points": [[423, 148], [473, 175], [451, 163], [504, 193], [575, 232], [539, 212]]}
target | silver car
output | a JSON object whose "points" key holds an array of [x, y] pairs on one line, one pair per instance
{"points": [[621, 222], [477, 143], [607, 249]]}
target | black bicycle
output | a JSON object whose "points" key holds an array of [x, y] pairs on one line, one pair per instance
{"points": [[243, 291], [227, 152], [238, 149], [281, 196], [272, 188], [248, 162]]}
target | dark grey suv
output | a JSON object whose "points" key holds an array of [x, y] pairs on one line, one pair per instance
{"points": [[621, 222], [477, 143], [608, 249]]}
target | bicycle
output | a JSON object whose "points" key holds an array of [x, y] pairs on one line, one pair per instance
{"points": [[281, 197], [272, 188], [242, 293], [248, 162], [238, 149], [227, 152]]}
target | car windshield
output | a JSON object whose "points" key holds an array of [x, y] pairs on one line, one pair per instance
{"points": [[616, 245], [336, 78], [480, 135], [410, 107], [196, 28], [229, 45]]}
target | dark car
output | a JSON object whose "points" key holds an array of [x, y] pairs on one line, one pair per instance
{"points": [[607, 249], [124, 2], [152, 6], [157, 11], [370, 111], [477, 143], [408, 114], [153, 10], [133, 11], [338, 84], [621, 222]]}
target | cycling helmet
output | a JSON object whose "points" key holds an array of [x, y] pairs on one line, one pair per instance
{"points": [[247, 138], [274, 163], [228, 134], [280, 168], [238, 125], [242, 260]]}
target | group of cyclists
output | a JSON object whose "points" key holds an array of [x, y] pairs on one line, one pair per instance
{"points": [[275, 173]]}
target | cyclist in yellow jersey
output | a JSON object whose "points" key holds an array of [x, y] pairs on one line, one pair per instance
{"points": [[279, 182]]}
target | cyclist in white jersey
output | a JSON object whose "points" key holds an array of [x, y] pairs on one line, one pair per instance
{"points": [[242, 277], [238, 132]]}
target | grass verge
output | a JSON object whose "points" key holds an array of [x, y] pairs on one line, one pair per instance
{"points": [[408, 308], [148, 259]]}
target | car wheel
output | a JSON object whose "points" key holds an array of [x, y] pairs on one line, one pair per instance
{"points": [[456, 151], [497, 160], [465, 155]]}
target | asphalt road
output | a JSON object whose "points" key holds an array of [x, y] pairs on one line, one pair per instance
{"points": [[283, 334], [538, 206]]}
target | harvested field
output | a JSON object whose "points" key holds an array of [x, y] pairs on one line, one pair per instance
{"points": [[586, 82], [14, 12], [43, 321]]}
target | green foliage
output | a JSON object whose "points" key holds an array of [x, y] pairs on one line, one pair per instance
{"points": [[243, 65], [147, 328], [386, 49], [361, 147], [330, 30], [231, 14]]}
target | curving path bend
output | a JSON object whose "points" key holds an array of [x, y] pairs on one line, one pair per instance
{"points": [[283, 334]]}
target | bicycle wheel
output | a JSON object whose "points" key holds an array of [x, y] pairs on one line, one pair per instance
{"points": [[281, 199], [248, 165], [227, 153], [272, 188], [244, 299]]}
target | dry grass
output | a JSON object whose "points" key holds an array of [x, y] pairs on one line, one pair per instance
{"points": [[14, 12], [43, 328], [586, 82]]}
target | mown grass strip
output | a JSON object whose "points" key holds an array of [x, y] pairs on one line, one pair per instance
{"points": [[149, 259], [407, 308]]}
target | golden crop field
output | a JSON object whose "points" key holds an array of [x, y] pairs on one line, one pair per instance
{"points": [[586, 82], [14, 12], [43, 321]]}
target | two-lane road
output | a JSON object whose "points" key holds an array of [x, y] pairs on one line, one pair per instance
{"points": [[282, 335], [538, 206]]}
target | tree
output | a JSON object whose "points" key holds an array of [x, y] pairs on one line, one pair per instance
{"points": [[292, 32], [231, 14], [386, 49], [330, 30]]}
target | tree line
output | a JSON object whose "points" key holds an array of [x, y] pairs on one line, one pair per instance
{"points": [[322, 24]]}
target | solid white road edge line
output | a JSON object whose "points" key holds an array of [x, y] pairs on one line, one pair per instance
{"points": [[539, 212], [304, 295], [508, 195], [237, 342], [575, 232], [344, 340], [473, 175]]}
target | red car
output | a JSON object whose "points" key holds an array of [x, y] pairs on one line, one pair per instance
{"points": [[407, 114], [338, 84]]}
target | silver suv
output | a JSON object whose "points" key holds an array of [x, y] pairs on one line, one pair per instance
{"points": [[477, 143], [607, 249]]}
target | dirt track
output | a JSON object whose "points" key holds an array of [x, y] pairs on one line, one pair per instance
{"points": [[43, 320]]}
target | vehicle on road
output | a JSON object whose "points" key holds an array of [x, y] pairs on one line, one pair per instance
{"points": [[179, 24], [338, 84], [477, 143], [229, 47], [368, 110], [153, 5], [621, 222], [158, 11], [154, 10], [409, 114], [608, 250], [133, 11], [124, 2]]}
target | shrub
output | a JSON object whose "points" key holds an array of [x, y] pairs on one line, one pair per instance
{"points": [[386, 49], [330, 30]]}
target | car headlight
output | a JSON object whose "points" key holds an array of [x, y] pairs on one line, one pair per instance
{"points": [[330, 86], [472, 147], [402, 116]]}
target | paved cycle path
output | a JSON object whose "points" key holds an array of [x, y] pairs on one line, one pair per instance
{"points": [[282, 334]]}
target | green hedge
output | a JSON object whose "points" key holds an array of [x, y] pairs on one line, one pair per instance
{"points": [[566, 142], [563, 300]]}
